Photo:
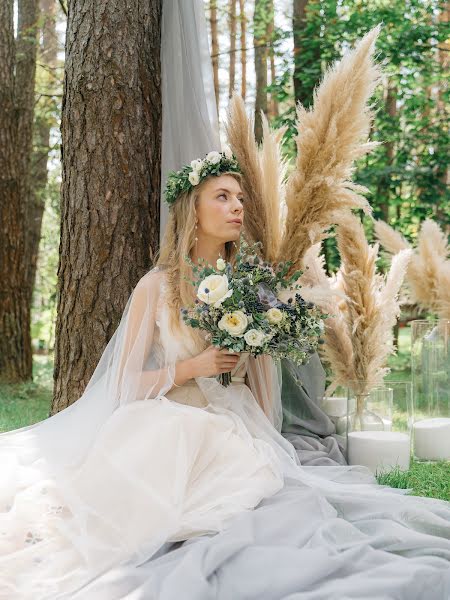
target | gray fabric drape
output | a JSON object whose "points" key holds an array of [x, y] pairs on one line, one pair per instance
{"points": [[305, 425]]}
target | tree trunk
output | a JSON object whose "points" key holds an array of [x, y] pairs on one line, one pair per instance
{"points": [[232, 47], [384, 184], [39, 173], [273, 99], [214, 48], [111, 157], [261, 20], [17, 74], [243, 22], [302, 91], [441, 208]]}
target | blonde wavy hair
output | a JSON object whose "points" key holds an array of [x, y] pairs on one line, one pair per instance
{"points": [[177, 242]]}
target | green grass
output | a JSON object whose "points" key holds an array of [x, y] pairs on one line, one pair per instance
{"points": [[26, 403], [431, 480]]}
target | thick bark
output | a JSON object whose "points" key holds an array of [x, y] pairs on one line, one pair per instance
{"points": [[17, 73], [111, 137]]}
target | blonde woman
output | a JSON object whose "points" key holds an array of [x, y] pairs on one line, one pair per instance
{"points": [[156, 450]]}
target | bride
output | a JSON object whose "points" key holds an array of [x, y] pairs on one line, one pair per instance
{"points": [[157, 451]]}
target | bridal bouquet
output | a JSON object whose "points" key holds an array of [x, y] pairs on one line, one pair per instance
{"points": [[239, 308]]}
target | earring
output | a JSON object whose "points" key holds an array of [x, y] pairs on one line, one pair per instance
{"points": [[196, 238]]}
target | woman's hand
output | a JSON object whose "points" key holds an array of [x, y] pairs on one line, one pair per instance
{"points": [[212, 362]]}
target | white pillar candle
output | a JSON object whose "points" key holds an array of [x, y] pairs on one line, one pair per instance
{"points": [[379, 450], [432, 439]]}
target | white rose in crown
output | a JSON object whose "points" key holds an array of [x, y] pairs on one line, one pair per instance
{"points": [[220, 264], [274, 315], [234, 323], [196, 164], [227, 151], [194, 177], [213, 157], [214, 290], [254, 337]]}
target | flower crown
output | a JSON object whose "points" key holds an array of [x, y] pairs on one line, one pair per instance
{"points": [[189, 176]]}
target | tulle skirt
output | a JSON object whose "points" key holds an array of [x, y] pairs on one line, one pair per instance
{"points": [[159, 471]]}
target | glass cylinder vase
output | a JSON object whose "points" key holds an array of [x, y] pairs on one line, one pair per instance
{"points": [[430, 372], [376, 437]]}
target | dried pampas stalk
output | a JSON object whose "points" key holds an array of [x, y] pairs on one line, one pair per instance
{"points": [[426, 274], [273, 173], [263, 171], [328, 294], [371, 309], [330, 138]]}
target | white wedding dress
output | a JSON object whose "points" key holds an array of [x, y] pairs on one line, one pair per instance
{"points": [[136, 464], [161, 469]]}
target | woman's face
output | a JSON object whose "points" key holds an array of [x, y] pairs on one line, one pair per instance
{"points": [[220, 211]]}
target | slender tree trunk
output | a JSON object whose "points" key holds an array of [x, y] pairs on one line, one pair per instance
{"points": [[271, 29], [243, 23], [384, 184], [39, 173], [261, 19], [111, 137], [17, 74], [301, 91], [443, 113], [214, 48], [232, 47]]}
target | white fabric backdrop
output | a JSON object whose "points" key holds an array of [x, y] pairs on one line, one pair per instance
{"points": [[190, 127]]}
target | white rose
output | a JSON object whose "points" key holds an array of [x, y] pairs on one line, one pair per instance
{"points": [[220, 264], [254, 337], [235, 323], [227, 151], [196, 164], [274, 315], [194, 177], [217, 286], [213, 157]]}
